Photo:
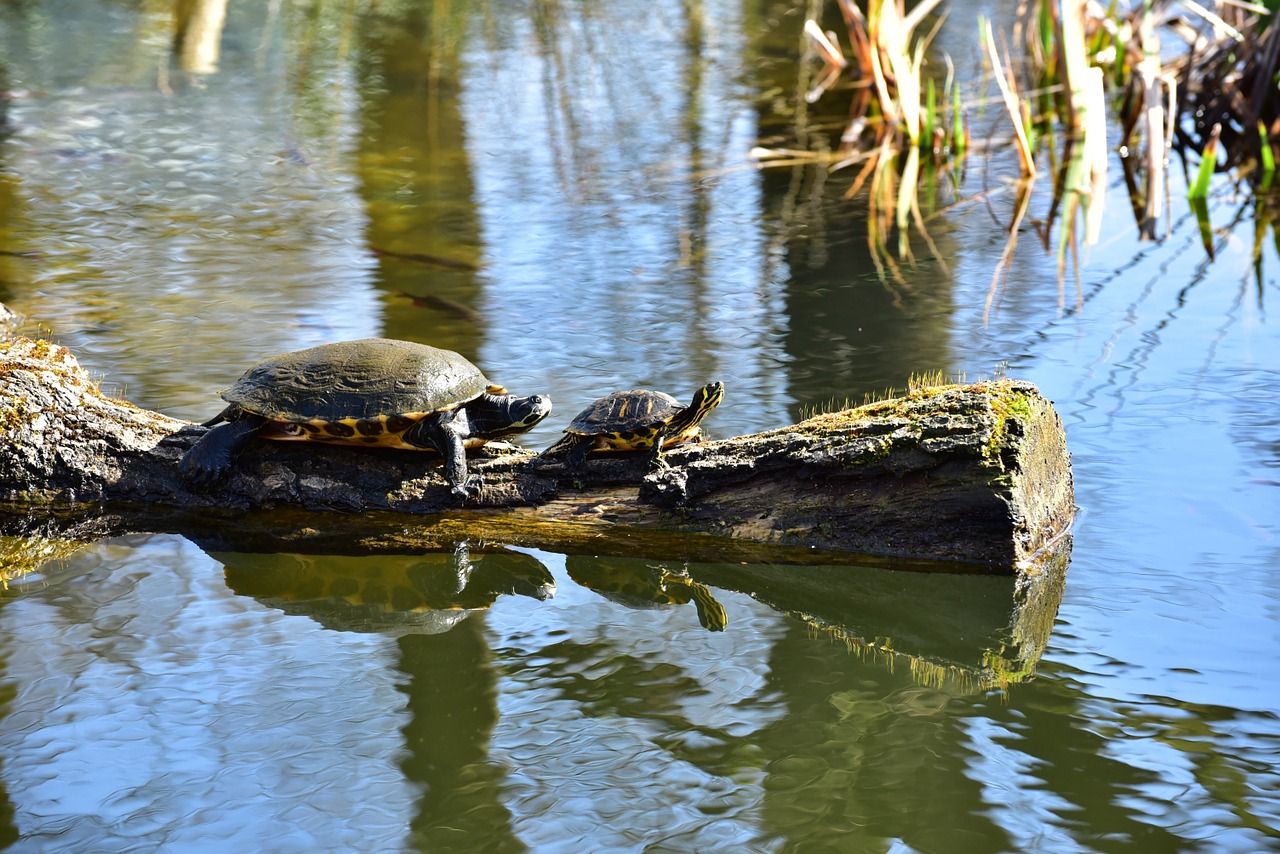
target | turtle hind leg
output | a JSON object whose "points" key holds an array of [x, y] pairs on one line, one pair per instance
{"points": [[573, 448], [210, 458]]}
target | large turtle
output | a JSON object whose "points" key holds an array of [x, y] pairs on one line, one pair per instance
{"points": [[636, 420], [373, 392]]}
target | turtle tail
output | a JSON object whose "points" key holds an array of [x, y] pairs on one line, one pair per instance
{"points": [[227, 414]]}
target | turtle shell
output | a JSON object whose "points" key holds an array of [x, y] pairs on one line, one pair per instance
{"points": [[623, 411], [370, 380]]}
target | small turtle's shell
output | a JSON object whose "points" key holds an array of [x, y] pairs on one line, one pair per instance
{"points": [[623, 411], [370, 380]]}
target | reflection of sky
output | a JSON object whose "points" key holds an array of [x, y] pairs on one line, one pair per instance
{"points": [[150, 702], [610, 263], [588, 770], [203, 218]]}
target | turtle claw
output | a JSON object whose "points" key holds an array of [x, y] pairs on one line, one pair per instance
{"points": [[210, 458], [203, 466], [470, 488]]}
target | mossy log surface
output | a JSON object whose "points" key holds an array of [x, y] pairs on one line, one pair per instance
{"points": [[975, 475]]}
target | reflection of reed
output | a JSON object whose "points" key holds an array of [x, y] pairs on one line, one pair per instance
{"points": [[626, 213], [895, 114]]}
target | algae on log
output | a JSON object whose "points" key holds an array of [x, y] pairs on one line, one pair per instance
{"points": [[973, 474]]}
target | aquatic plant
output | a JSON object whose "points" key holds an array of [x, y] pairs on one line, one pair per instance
{"points": [[906, 123]]}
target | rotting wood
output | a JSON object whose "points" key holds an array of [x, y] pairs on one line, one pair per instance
{"points": [[974, 474]]}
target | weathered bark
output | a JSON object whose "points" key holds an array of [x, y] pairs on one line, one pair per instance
{"points": [[974, 474]]}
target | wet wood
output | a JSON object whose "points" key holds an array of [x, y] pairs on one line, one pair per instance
{"points": [[975, 474]]}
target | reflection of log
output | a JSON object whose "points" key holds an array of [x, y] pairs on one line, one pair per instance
{"points": [[976, 473], [954, 628]]}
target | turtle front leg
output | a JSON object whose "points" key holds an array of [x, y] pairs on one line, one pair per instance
{"points": [[656, 461], [210, 458], [228, 414], [444, 432]]}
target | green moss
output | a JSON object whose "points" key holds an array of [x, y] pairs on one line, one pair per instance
{"points": [[13, 416], [1009, 405]]}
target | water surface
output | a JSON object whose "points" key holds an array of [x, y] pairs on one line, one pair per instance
{"points": [[563, 193]]}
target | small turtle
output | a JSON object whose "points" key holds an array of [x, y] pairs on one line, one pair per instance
{"points": [[636, 420], [374, 392]]}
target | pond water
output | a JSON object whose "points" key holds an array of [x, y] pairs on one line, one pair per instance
{"points": [[563, 193]]}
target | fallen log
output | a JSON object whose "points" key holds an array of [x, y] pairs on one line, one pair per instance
{"points": [[975, 474]]}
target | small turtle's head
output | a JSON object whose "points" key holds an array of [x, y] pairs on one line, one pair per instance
{"points": [[708, 397], [508, 415]]}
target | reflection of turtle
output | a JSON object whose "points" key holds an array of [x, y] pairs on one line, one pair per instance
{"points": [[374, 392], [394, 594], [637, 420], [636, 584]]}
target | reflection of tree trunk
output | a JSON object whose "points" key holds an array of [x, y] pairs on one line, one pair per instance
{"points": [[197, 34], [414, 212], [974, 473], [453, 706]]}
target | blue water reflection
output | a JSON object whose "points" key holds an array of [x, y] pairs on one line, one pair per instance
{"points": [[151, 705]]}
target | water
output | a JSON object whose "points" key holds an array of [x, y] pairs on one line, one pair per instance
{"points": [[584, 168]]}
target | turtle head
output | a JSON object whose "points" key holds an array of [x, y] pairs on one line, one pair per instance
{"points": [[494, 416], [708, 397]]}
